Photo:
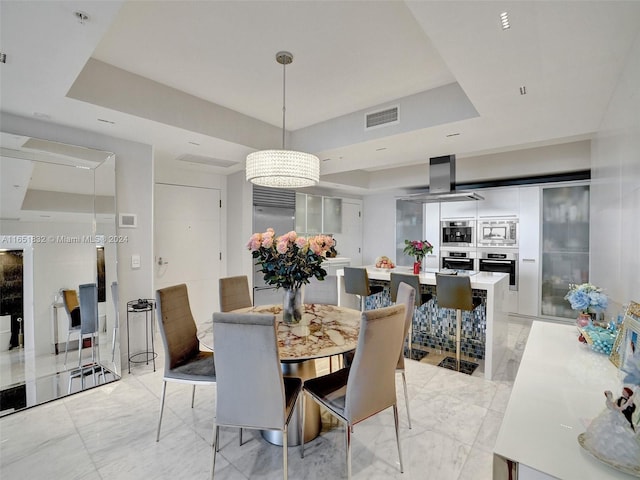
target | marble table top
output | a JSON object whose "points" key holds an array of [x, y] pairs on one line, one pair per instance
{"points": [[323, 331]]}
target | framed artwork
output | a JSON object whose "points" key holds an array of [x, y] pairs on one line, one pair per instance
{"points": [[626, 348]]}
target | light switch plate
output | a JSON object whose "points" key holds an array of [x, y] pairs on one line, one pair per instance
{"points": [[135, 261]]}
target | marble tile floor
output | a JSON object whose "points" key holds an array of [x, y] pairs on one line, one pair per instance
{"points": [[109, 432]]}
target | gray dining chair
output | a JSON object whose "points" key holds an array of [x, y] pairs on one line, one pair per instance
{"points": [[324, 292], [251, 391], [234, 293], [72, 307], [89, 324], [406, 296], [368, 386], [184, 362]]}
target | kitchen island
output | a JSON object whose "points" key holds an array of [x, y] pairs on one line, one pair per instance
{"points": [[484, 330]]}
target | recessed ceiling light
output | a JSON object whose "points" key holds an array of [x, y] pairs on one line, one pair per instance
{"points": [[326, 159], [504, 19], [453, 134], [106, 121], [194, 143], [45, 216], [82, 167], [380, 149], [523, 90], [41, 115]]}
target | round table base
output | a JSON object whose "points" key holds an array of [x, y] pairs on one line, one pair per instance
{"points": [[304, 370]]}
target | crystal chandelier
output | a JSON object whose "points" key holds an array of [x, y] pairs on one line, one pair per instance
{"points": [[283, 168]]}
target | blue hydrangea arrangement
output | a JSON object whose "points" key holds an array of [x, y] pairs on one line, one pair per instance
{"points": [[586, 298]]}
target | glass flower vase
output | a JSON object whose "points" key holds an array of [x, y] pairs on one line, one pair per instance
{"points": [[292, 307], [583, 319]]}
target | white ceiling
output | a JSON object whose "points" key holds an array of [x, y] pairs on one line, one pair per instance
{"points": [[173, 72]]}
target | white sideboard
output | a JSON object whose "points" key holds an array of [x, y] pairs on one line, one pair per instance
{"points": [[557, 392]]}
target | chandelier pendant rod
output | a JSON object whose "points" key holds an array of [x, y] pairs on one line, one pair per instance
{"points": [[284, 99]]}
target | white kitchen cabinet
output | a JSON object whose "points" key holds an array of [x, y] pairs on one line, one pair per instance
{"points": [[331, 215], [432, 234], [529, 252], [301, 213], [349, 241], [409, 226], [565, 246], [459, 210], [499, 203], [318, 214]]}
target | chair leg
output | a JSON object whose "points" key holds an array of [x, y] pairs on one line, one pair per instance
{"points": [[458, 331], [348, 431], [80, 349], [406, 397], [164, 389], [113, 344], [395, 418], [66, 347], [302, 424], [193, 395], [285, 465], [216, 434], [240, 436]]}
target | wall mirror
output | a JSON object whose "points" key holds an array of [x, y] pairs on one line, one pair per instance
{"points": [[57, 232]]}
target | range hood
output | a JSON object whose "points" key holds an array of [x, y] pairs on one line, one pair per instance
{"points": [[442, 188]]}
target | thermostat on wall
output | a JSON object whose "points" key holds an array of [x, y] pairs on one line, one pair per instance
{"points": [[128, 220]]}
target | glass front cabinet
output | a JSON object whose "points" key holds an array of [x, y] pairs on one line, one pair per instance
{"points": [[565, 246]]}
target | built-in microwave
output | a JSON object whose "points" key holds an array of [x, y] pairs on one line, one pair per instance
{"points": [[498, 233], [458, 233]]}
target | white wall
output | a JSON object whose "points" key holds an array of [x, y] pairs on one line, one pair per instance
{"points": [[239, 210], [379, 227], [615, 192]]}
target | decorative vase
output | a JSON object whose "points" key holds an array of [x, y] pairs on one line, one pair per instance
{"points": [[416, 267], [583, 319], [292, 307]]}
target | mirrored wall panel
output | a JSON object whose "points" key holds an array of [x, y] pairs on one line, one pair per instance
{"points": [[58, 250]]}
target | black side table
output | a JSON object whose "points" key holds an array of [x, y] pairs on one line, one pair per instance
{"points": [[134, 309]]}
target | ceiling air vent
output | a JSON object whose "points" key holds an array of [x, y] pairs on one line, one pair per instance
{"points": [[202, 160], [382, 117]]}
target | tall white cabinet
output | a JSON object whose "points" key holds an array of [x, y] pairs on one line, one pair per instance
{"points": [[529, 252]]}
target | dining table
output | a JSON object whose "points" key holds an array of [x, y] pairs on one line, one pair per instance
{"points": [[323, 331]]}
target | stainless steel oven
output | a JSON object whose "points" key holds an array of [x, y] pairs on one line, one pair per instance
{"points": [[458, 260], [458, 233], [501, 262], [498, 233]]}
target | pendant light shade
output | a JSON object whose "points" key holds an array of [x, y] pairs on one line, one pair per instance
{"points": [[283, 168]]}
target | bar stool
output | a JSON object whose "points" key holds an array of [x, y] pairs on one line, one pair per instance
{"points": [[356, 282], [454, 291], [420, 298]]}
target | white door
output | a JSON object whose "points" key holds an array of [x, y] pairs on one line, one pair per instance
{"points": [[349, 242], [187, 244]]}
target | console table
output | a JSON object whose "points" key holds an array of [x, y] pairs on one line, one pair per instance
{"points": [[558, 390]]}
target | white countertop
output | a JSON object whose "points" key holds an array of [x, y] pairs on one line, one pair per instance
{"points": [[337, 260], [479, 280], [559, 389]]}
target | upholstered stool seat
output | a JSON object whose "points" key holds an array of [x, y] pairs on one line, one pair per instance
{"points": [[356, 282]]}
